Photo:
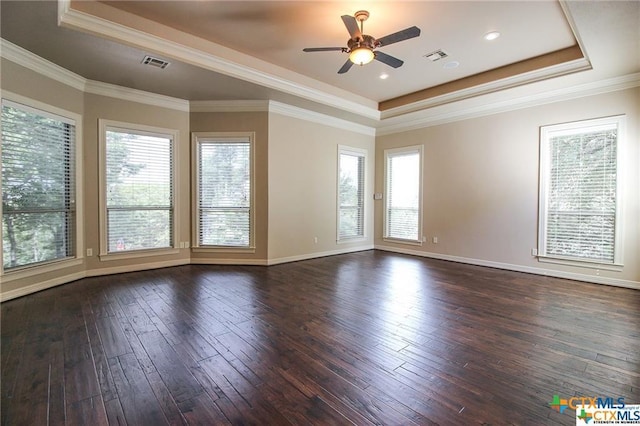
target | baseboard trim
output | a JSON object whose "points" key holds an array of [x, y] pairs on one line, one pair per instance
{"points": [[217, 261], [518, 268], [277, 261], [136, 268], [65, 279], [23, 291], [34, 288]]}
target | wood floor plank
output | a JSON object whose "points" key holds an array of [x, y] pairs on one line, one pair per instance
{"points": [[363, 338], [112, 337], [56, 401], [90, 411], [176, 376], [115, 415], [139, 404], [201, 410], [167, 403]]}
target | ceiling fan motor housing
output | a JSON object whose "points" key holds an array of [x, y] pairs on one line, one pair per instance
{"points": [[367, 41]]}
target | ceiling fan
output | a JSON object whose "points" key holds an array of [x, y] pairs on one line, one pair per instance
{"points": [[362, 47]]}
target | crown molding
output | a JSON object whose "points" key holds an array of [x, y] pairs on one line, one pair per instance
{"points": [[492, 87], [316, 117], [24, 58], [71, 18], [134, 95], [396, 124], [229, 106], [433, 117], [280, 108]]}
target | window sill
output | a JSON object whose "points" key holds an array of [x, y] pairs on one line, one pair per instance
{"points": [[401, 241], [30, 271], [347, 240], [581, 263], [222, 249], [134, 254]]}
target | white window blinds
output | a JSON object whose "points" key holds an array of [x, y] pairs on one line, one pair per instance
{"points": [[402, 187], [579, 188], [38, 186], [350, 194], [224, 192], [139, 190]]}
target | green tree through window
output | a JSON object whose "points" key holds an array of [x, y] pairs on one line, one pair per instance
{"points": [[224, 192], [139, 190], [402, 193], [350, 194], [38, 186], [579, 190]]}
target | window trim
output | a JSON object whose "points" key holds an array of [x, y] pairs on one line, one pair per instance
{"points": [[546, 133], [200, 137], [418, 149], [361, 153], [44, 109], [103, 126]]}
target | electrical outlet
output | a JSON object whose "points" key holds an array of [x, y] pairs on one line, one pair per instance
{"points": [[534, 252], [89, 252], [315, 240], [434, 240]]}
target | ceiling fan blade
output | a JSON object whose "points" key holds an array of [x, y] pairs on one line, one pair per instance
{"points": [[405, 34], [323, 49], [352, 26], [346, 67], [388, 59]]}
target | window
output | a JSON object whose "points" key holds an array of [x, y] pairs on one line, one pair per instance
{"points": [[579, 191], [351, 164], [224, 201], [138, 212], [403, 194], [38, 187]]}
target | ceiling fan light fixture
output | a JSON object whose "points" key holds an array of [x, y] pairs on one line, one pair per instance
{"points": [[361, 55]]}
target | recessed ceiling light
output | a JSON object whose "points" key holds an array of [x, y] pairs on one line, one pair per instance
{"points": [[451, 65], [492, 35], [384, 76]]}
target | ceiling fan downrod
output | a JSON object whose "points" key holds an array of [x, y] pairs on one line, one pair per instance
{"points": [[361, 16]]}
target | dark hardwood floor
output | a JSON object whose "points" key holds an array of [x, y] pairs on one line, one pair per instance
{"points": [[363, 338]]}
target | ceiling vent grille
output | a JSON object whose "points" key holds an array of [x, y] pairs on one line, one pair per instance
{"points": [[155, 62], [436, 56]]}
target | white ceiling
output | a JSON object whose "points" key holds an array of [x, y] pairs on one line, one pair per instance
{"points": [[226, 50], [276, 32]]}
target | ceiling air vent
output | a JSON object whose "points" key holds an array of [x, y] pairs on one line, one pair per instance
{"points": [[155, 62], [436, 56]]}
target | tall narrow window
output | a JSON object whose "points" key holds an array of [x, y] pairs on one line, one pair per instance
{"points": [[38, 186], [579, 196], [138, 173], [224, 167], [403, 176], [351, 165]]}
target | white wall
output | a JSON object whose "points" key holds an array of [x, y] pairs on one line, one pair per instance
{"points": [[480, 182], [303, 161], [481, 186]]}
